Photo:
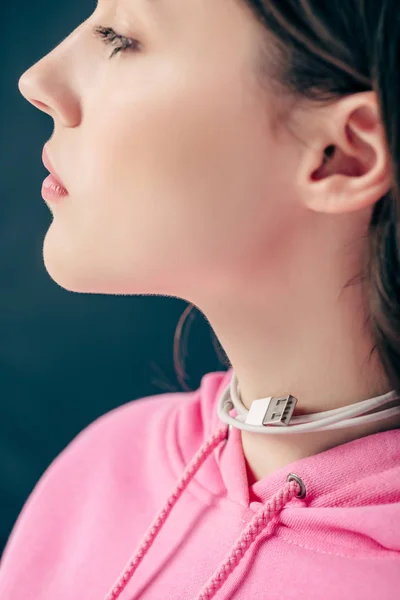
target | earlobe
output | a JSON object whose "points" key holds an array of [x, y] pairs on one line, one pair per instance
{"points": [[352, 169]]}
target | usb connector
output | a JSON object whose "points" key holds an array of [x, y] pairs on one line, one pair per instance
{"points": [[271, 411]]}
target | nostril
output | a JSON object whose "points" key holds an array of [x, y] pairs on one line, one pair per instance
{"points": [[42, 106], [27, 88], [39, 105]]}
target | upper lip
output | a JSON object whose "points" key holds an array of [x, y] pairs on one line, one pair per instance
{"points": [[49, 166]]}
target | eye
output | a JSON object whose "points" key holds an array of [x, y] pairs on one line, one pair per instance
{"points": [[120, 42]]}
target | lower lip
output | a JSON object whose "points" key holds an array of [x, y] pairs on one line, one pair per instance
{"points": [[52, 190]]}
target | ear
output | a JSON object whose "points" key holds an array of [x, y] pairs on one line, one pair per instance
{"points": [[349, 165]]}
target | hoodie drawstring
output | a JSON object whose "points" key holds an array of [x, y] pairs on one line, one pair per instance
{"points": [[247, 537], [187, 476], [291, 489]]}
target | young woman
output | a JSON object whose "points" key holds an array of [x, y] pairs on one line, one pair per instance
{"points": [[242, 155]]}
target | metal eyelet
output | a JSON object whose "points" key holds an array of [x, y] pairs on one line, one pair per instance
{"points": [[303, 490]]}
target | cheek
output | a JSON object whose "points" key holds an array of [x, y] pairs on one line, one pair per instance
{"points": [[190, 151], [154, 160], [164, 184]]}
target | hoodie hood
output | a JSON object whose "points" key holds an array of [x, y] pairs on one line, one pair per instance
{"points": [[347, 496]]}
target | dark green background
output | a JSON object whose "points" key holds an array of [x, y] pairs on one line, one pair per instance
{"points": [[65, 358]]}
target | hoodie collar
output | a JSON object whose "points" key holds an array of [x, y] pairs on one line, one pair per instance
{"points": [[339, 475]]}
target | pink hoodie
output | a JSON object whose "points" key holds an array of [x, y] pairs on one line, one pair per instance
{"points": [[215, 537]]}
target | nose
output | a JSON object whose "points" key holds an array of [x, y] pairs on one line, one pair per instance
{"points": [[48, 86]]}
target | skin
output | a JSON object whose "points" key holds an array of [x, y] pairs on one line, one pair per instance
{"points": [[183, 181]]}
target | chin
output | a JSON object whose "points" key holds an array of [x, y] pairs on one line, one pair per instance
{"points": [[80, 271], [60, 266]]}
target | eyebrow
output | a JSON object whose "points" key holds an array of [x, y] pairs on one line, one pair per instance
{"points": [[154, 7], [146, 2], [150, 4], [153, 3]]}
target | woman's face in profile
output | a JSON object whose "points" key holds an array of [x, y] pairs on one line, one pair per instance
{"points": [[165, 145]]}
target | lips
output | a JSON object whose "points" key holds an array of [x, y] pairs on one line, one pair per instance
{"points": [[50, 168]]}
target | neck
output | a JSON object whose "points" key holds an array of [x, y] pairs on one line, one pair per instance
{"points": [[311, 341]]}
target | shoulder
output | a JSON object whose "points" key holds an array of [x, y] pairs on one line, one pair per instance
{"points": [[137, 423], [145, 440]]}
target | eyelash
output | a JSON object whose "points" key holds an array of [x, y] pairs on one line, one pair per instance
{"points": [[110, 37]]}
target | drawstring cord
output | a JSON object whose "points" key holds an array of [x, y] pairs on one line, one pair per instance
{"points": [[291, 489], [294, 487], [187, 476]]}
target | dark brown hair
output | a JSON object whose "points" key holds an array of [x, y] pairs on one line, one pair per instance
{"points": [[324, 50]]}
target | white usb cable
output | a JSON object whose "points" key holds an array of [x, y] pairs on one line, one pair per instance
{"points": [[275, 415]]}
